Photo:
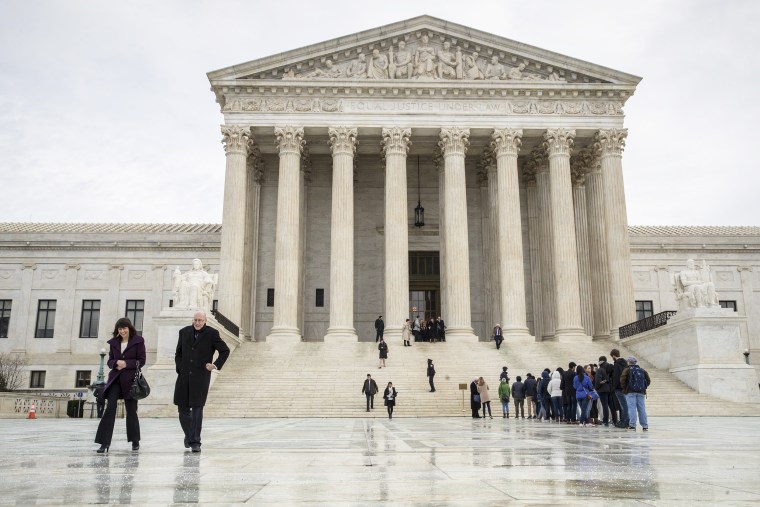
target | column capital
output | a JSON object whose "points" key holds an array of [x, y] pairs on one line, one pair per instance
{"points": [[342, 140], [487, 162], [580, 165], [289, 139], [559, 141], [396, 141], [454, 141], [438, 161], [236, 138], [610, 141], [506, 141]]}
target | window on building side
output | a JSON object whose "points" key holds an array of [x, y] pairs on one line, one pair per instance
{"points": [[88, 324], [270, 297], [643, 309], [37, 379], [214, 305], [135, 313], [45, 318], [83, 378], [320, 299], [5, 317], [728, 304]]}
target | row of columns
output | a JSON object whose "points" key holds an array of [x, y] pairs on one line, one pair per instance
{"points": [[558, 262]]}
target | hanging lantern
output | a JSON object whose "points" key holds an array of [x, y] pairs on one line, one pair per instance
{"points": [[419, 211]]}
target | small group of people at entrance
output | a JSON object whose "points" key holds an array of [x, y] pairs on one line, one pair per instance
{"points": [[370, 389], [431, 330]]}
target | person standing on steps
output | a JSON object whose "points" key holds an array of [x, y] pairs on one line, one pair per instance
{"points": [[518, 394], [389, 395], [370, 389], [474, 399], [383, 348], [379, 328], [405, 330], [441, 329], [417, 329], [195, 351], [485, 398], [504, 393], [498, 337], [431, 374]]}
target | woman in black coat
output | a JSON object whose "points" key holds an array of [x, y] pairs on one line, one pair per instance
{"points": [[389, 395], [474, 405], [125, 356]]}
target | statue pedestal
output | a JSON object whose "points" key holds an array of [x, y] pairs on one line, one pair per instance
{"points": [[703, 348]]}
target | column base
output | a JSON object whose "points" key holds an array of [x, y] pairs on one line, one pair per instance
{"points": [[572, 336], [284, 335], [392, 334], [461, 335], [341, 335], [518, 335]]}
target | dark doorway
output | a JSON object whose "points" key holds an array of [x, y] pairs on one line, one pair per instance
{"points": [[424, 285]]}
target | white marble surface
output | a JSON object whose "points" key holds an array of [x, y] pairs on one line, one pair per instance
{"points": [[407, 461]]}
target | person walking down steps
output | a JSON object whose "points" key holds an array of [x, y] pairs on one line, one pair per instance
{"points": [[383, 348], [431, 374]]}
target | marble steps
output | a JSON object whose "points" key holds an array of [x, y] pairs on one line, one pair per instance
{"points": [[324, 380]]}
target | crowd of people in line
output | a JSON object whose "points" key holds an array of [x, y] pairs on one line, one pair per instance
{"points": [[597, 394]]}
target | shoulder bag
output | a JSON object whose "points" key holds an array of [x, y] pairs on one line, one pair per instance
{"points": [[140, 388]]}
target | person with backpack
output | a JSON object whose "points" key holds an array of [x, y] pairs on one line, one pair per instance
{"points": [[619, 364], [504, 393], [635, 381]]}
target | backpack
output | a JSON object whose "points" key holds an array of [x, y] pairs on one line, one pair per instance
{"points": [[637, 380]]}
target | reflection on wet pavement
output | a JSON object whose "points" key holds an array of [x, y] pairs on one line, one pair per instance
{"points": [[681, 461]]}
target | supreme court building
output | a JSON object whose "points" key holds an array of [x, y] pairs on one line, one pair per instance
{"points": [[515, 155]]}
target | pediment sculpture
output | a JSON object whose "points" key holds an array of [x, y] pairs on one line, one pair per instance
{"points": [[422, 60], [194, 289], [694, 287]]}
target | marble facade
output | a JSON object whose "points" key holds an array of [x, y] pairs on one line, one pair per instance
{"points": [[520, 154]]}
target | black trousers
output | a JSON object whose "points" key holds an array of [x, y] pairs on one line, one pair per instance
{"points": [[370, 401], [105, 428], [432, 386], [191, 420]]}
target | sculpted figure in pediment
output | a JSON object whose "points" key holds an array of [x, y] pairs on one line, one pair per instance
{"points": [[377, 68], [495, 70], [471, 69], [400, 65], [330, 71], [358, 68], [449, 66], [517, 73], [424, 60]]}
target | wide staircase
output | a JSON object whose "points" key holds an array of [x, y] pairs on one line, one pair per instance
{"points": [[315, 379]]}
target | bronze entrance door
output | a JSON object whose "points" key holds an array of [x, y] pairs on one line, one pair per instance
{"points": [[424, 285]]}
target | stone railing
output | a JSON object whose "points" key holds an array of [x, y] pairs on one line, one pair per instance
{"points": [[18, 404]]}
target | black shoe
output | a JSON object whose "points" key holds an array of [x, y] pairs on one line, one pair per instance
{"points": [[135, 446], [187, 444], [196, 447], [103, 449]]}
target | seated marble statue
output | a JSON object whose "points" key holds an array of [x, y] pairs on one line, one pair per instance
{"points": [[694, 287], [195, 288]]}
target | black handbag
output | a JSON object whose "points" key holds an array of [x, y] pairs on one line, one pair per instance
{"points": [[140, 388]]}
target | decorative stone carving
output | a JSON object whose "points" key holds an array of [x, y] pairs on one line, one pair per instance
{"points": [[694, 287], [506, 141], [195, 288], [289, 139], [471, 70], [454, 140], [396, 141], [424, 60], [357, 69], [495, 70], [610, 142], [558, 141], [377, 68], [342, 140], [401, 65], [255, 163], [235, 138], [449, 64]]}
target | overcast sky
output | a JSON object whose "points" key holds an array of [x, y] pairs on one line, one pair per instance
{"points": [[106, 113]]}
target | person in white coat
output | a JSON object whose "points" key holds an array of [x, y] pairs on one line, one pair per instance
{"points": [[555, 391]]}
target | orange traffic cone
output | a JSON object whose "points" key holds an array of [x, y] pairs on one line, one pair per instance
{"points": [[32, 413]]}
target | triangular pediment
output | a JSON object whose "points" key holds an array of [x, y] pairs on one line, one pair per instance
{"points": [[422, 49]]}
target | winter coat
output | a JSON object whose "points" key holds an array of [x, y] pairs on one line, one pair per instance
{"points": [[504, 391], [483, 392], [554, 383], [518, 390], [474, 405], [191, 357], [370, 387], [582, 387], [567, 383], [543, 384], [383, 348], [389, 396], [624, 380], [617, 370], [133, 353], [430, 369], [602, 381], [530, 387], [405, 332]]}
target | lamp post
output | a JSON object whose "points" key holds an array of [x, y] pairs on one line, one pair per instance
{"points": [[419, 211], [101, 372], [99, 384]]}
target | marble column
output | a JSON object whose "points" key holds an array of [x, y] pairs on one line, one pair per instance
{"points": [[491, 242], [545, 247], [395, 146], [440, 166], [578, 177], [22, 326], [287, 263], [609, 144], [453, 143], [506, 145], [255, 169], [236, 142], [600, 287], [343, 146], [531, 198], [568, 310]]}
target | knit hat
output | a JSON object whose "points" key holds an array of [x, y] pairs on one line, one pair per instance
{"points": [[632, 360]]}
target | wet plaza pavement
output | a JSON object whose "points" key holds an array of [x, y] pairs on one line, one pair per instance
{"points": [[406, 461]]}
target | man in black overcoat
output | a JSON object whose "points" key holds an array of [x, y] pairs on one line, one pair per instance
{"points": [[195, 351]]}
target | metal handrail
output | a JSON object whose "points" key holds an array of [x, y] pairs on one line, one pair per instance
{"points": [[646, 324], [226, 323]]}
